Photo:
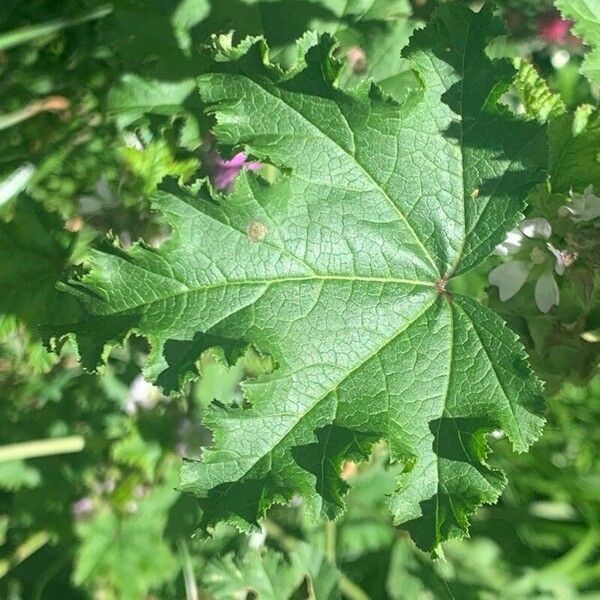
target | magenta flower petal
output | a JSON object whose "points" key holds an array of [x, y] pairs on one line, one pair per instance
{"points": [[223, 172], [237, 162], [555, 30]]}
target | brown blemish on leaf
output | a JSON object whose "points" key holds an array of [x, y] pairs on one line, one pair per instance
{"points": [[256, 231]]}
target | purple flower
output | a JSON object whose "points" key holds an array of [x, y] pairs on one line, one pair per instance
{"points": [[552, 28], [83, 507], [223, 172]]}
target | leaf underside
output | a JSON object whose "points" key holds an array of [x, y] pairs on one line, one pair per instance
{"points": [[338, 271]]}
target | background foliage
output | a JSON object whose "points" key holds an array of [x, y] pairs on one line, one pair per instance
{"points": [[99, 110]]}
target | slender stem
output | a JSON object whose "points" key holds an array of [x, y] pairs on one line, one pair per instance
{"points": [[32, 32], [50, 104], [572, 560], [25, 550], [64, 445], [351, 590], [287, 542], [191, 589], [586, 575], [330, 541]]}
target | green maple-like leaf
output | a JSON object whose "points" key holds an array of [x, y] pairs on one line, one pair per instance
{"points": [[586, 17], [271, 576], [537, 99], [339, 272], [573, 150], [373, 46], [35, 251], [127, 555]]}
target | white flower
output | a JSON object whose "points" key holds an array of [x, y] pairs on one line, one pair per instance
{"points": [[560, 58], [538, 256], [511, 245], [563, 259], [538, 228], [142, 394], [510, 277], [546, 292], [257, 540], [583, 207], [83, 507]]}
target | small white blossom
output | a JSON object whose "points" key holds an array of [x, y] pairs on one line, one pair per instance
{"points": [[560, 58], [257, 540], [510, 277], [538, 228], [546, 292], [511, 245], [583, 207], [142, 394], [84, 507], [562, 259]]}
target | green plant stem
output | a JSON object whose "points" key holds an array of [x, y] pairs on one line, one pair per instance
{"points": [[287, 542], [26, 34], [64, 445], [586, 575], [351, 590], [191, 588], [330, 541], [25, 550], [572, 560], [48, 104]]}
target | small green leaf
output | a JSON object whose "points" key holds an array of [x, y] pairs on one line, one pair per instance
{"points": [[269, 575], [135, 96], [586, 15], [35, 250], [539, 102], [127, 554]]}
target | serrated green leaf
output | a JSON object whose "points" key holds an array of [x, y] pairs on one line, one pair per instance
{"points": [[586, 17], [373, 50], [35, 250], [154, 162], [538, 101], [135, 96], [270, 576], [134, 451], [127, 555], [574, 159], [339, 272]]}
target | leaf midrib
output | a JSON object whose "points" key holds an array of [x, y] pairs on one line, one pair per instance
{"points": [[268, 283]]}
